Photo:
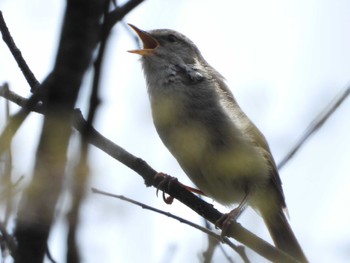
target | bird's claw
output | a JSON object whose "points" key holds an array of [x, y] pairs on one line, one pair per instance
{"points": [[165, 179], [226, 220]]}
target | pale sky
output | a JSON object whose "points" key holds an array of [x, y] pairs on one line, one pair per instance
{"points": [[284, 61]]}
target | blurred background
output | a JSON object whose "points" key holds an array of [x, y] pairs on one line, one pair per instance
{"points": [[285, 61]]}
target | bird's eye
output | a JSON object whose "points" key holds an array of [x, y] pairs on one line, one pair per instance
{"points": [[172, 38]]}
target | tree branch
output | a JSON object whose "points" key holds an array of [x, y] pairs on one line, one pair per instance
{"points": [[79, 38], [28, 74], [82, 170], [316, 124], [179, 192], [119, 13], [17, 120], [176, 190], [144, 206], [207, 231]]}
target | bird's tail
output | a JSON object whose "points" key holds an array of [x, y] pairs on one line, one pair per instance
{"points": [[282, 234]]}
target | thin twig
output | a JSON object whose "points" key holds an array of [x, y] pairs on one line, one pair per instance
{"points": [[98, 63], [19, 100], [119, 13], [16, 121], [316, 124], [168, 214], [144, 206], [22, 64]]}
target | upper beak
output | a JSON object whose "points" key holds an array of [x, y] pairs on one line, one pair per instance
{"points": [[149, 42]]}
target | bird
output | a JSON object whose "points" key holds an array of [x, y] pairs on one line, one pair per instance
{"points": [[218, 147]]}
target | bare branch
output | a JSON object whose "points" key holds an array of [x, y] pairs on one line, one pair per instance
{"points": [[180, 193], [144, 206], [17, 120], [28, 74], [177, 191], [180, 219], [82, 170], [19, 100], [316, 124], [119, 13]]}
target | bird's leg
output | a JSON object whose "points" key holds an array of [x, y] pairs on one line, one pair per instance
{"points": [[167, 179], [227, 219]]}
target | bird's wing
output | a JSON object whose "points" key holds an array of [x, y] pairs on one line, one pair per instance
{"points": [[258, 139]]}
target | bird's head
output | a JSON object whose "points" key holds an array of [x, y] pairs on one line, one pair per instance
{"points": [[166, 44]]}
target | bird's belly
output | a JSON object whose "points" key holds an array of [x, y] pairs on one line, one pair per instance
{"points": [[228, 177], [217, 157], [224, 172]]}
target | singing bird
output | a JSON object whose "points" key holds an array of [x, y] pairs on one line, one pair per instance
{"points": [[215, 143]]}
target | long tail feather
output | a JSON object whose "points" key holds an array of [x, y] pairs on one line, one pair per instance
{"points": [[282, 235]]}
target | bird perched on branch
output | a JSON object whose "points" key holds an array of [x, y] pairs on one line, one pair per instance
{"points": [[215, 143]]}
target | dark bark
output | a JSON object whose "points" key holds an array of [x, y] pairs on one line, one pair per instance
{"points": [[79, 37]]}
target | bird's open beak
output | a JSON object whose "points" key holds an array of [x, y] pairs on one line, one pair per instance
{"points": [[149, 42]]}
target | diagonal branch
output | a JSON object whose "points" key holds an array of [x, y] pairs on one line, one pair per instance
{"points": [[316, 124], [28, 74], [205, 230], [119, 13], [17, 120], [176, 190]]}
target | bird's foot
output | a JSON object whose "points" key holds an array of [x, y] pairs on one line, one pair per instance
{"points": [[167, 179], [226, 220]]}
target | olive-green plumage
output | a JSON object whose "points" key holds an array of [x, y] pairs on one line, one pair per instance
{"points": [[215, 143]]}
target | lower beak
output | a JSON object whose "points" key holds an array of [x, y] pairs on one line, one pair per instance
{"points": [[148, 41]]}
